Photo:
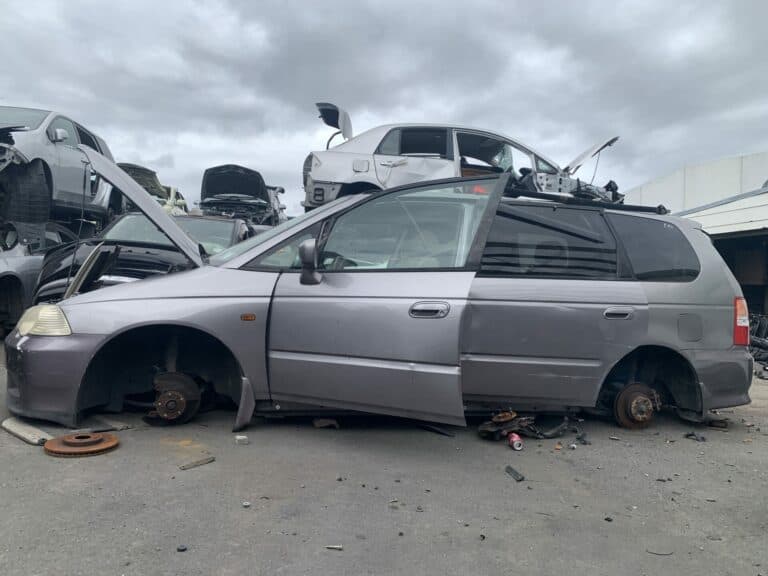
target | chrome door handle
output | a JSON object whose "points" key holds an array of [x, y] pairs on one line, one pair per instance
{"points": [[618, 313], [429, 310], [392, 163]]}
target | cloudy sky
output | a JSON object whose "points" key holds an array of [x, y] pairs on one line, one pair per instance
{"points": [[183, 86]]}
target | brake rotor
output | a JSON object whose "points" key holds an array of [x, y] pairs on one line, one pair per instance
{"points": [[178, 398], [81, 444], [635, 406]]}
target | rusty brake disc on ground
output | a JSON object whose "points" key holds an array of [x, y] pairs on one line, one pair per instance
{"points": [[81, 444]]}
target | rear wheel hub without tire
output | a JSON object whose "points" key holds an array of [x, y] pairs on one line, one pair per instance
{"points": [[635, 406]]}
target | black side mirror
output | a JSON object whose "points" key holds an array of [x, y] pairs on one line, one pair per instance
{"points": [[308, 257]]}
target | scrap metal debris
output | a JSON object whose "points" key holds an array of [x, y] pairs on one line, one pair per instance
{"points": [[514, 473], [515, 442], [242, 439], [334, 547], [81, 444], [25, 432], [196, 463], [694, 436], [325, 423], [659, 553]]}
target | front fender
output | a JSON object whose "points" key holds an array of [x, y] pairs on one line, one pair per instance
{"points": [[217, 317]]}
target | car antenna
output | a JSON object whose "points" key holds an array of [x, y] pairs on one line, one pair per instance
{"points": [[86, 179]]}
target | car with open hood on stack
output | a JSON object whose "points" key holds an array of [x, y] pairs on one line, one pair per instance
{"points": [[237, 191]]}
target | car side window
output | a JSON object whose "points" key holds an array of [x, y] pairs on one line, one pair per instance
{"points": [[390, 145], [424, 228], [657, 250], [87, 138], [284, 256], [61, 122], [549, 242]]}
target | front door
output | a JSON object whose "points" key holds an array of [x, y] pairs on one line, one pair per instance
{"points": [[381, 332], [409, 155], [552, 309], [68, 173]]}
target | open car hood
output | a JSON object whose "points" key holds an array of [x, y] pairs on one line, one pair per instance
{"points": [[576, 163], [145, 203], [335, 117], [233, 180]]}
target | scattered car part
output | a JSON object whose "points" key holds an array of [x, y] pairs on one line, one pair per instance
{"points": [[635, 406], [197, 463], [242, 440], [694, 436], [514, 473], [178, 398], [325, 423], [81, 444], [24, 431]]}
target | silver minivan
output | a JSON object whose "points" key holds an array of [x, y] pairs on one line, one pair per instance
{"points": [[424, 301]]}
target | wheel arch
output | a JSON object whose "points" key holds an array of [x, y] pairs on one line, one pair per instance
{"points": [[357, 188], [130, 355], [660, 367]]}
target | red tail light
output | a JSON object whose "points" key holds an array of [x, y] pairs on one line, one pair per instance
{"points": [[740, 323]]}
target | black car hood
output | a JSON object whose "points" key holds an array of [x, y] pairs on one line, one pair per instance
{"points": [[231, 179], [135, 260]]}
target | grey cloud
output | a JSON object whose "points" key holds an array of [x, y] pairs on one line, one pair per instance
{"points": [[679, 82]]}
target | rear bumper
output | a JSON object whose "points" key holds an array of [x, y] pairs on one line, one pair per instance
{"points": [[44, 374], [319, 193], [724, 377]]}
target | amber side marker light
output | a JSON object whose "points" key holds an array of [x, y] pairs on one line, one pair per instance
{"points": [[247, 317]]}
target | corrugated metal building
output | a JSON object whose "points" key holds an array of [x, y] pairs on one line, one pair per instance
{"points": [[729, 197]]}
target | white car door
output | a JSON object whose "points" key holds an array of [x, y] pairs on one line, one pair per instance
{"points": [[413, 154]]}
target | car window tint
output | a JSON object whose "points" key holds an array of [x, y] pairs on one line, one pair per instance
{"points": [[549, 242], [87, 138], [657, 250], [424, 141], [425, 228], [391, 143], [61, 122]]}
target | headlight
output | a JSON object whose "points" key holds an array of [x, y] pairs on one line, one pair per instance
{"points": [[44, 320]]}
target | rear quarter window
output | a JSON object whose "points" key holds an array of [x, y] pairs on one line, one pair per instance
{"points": [[657, 250]]}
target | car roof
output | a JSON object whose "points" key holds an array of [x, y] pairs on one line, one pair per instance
{"points": [[27, 108]]}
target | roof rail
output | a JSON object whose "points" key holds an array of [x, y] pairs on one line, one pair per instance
{"points": [[511, 192]]}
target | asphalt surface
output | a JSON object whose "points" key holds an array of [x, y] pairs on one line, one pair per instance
{"points": [[397, 498]]}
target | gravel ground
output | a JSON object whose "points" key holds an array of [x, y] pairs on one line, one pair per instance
{"points": [[397, 498]]}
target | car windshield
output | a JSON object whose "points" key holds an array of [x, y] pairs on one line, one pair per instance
{"points": [[28, 117], [243, 247], [215, 235]]}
